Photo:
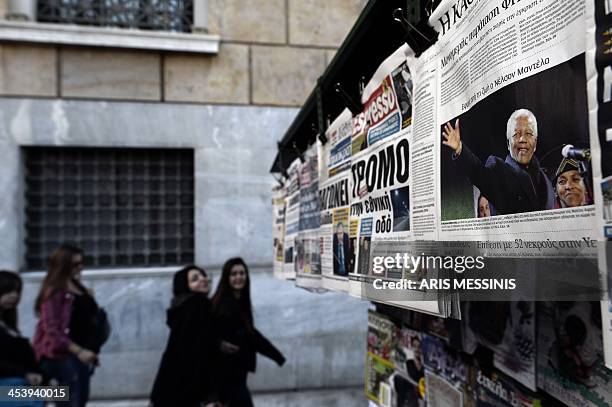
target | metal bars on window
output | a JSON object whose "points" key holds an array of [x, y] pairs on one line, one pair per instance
{"points": [[124, 207], [159, 15]]}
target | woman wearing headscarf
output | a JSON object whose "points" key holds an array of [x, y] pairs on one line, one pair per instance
{"points": [[570, 187], [18, 366], [184, 377]]}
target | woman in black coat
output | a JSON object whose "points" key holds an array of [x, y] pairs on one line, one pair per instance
{"points": [[185, 372], [18, 365], [233, 322]]}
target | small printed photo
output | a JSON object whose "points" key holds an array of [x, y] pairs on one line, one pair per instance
{"points": [[364, 254], [341, 247], [400, 200], [606, 192], [402, 81]]}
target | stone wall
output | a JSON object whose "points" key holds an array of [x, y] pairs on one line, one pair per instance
{"points": [[271, 53], [323, 349]]}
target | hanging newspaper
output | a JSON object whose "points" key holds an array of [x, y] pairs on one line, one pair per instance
{"points": [[570, 354], [599, 79], [498, 99], [307, 253], [334, 200], [380, 222], [292, 219], [278, 229]]}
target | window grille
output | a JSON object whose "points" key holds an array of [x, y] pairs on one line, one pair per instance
{"points": [[160, 15], [124, 207]]}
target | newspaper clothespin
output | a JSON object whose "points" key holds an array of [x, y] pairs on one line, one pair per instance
{"points": [[320, 134], [353, 106], [414, 42], [362, 85]]}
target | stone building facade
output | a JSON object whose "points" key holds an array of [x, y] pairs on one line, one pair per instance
{"points": [[227, 91]]}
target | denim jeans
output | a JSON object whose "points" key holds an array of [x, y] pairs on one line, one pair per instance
{"points": [[69, 372], [18, 381]]}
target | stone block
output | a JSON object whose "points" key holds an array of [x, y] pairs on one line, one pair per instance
{"points": [[221, 78], [28, 70], [321, 22], [3, 9], [284, 75], [249, 20], [110, 74]]}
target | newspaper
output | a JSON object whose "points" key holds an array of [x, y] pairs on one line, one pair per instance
{"points": [[497, 79], [378, 367], [570, 354], [494, 389], [441, 393], [498, 99], [508, 329], [599, 83], [380, 205], [395, 372], [307, 253], [278, 229], [334, 195], [292, 219]]}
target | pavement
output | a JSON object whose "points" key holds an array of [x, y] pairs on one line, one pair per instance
{"points": [[342, 397]]}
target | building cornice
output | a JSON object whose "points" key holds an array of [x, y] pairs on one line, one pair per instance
{"points": [[76, 35]]}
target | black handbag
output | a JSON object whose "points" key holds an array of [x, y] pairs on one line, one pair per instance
{"points": [[103, 329]]}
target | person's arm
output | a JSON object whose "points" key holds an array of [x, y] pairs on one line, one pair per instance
{"points": [[51, 314], [265, 347], [51, 311], [480, 175]]}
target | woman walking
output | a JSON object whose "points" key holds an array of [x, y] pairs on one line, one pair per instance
{"points": [[66, 333], [184, 375], [233, 321]]}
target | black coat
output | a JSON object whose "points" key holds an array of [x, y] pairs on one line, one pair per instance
{"points": [[231, 326], [509, 186], [185, 373], [16, 355], [347, 257]]}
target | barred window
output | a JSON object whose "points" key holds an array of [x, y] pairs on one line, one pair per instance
{"points": [[124, 207], [160, 15]]}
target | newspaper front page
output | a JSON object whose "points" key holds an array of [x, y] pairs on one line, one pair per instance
{"points": [[599, 80], [380, 219], [307, 253], [335, 203], [507, 80]]}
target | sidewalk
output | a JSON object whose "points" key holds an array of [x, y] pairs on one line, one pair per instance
{"points": [[344, 397]]}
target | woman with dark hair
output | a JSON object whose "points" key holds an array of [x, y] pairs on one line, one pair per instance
{"points": [[184, 375], [18, 365], [233, 321], [66, 335]]}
